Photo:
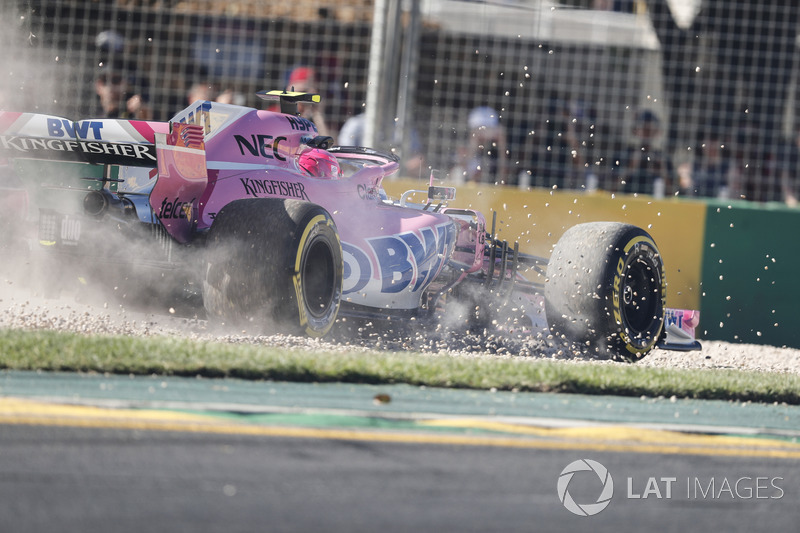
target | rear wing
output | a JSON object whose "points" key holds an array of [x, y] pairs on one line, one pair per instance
{"points": [[175, 152], [96, 141], [289, 99]]}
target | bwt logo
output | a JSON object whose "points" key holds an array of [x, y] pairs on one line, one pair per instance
{"points": [[62, 127], [585, 509]]}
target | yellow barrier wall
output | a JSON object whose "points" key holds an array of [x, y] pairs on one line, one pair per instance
{"points": [[537, 218]]}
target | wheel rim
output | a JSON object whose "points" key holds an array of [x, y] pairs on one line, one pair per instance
{"points": [[319, 278], [640, 296]]}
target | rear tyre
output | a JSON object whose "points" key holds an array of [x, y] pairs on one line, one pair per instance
{"points": [[605, 289], [273, 262]]}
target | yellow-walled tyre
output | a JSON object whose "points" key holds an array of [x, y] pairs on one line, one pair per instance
{"points": [[275, 264], [605, 290]]}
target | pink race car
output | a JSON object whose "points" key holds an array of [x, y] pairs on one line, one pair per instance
{"points": [[263, 219]]}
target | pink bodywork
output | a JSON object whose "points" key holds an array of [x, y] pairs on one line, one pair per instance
{"points": [[211, 154], [391, 254]]}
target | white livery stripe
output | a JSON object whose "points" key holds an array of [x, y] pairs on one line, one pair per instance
{"points": [[225, 165], [183, 149]]}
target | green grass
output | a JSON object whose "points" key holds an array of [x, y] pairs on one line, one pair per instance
{"points": [[53, 351]]}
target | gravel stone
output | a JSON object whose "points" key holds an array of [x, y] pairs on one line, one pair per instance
{"points": [[79, 312]]}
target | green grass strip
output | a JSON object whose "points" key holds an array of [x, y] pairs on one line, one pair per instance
{"points": [[55, 351]]}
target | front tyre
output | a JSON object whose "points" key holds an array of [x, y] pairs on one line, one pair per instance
{"points": [[605, 289], [274, 262]]}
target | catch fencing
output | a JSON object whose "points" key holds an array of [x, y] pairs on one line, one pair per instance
{"points": [[695, 97]]}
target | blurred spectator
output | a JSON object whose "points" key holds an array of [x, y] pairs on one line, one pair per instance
{"points": [[352, 134], [484, 159], [210, 91], [229, 96], [114, 87], [623, 6], [756, 164], [201, 91], [563, 147], [122, 90], [109, 43], [304, 79], [710, 172], [642, 168]]}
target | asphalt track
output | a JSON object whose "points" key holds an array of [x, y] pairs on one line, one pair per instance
{"points": [[117, 453]]}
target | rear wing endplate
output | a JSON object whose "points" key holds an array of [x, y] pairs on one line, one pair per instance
{"points": [[182, 179]]}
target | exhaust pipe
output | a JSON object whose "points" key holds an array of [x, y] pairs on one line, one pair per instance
{"points": [[96, 203]]}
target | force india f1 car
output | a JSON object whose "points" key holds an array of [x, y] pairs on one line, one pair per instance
{"points": [[272, 225]]}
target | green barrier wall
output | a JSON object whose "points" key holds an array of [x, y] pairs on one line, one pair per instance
{"points": [[749, 273]]}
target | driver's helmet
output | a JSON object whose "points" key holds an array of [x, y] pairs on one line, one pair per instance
{"points": [[319, 163]]}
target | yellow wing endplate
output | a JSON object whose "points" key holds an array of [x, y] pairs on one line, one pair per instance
{"points": [[289, 99]]}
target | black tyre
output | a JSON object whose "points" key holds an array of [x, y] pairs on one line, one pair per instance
{"points": [[273, 262], [605, 289]]}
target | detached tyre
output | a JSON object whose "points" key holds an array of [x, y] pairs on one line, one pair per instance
{"points": [[605, 289], [273, 262]]}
